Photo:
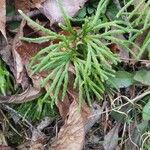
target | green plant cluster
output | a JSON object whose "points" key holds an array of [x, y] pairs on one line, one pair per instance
{"points": [[41, 107], [85, 50], [5, 79]]}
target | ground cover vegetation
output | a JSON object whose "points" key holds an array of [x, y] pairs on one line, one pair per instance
{"points": [[87, 70]]}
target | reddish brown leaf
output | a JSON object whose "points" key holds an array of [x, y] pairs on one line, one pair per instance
{"points": [[114, 48], [22, 54], [26, 5]]}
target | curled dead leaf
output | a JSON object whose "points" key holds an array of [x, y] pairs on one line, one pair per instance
{"points": [[29, 94]]}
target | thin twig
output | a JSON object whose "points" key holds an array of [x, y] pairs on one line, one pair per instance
{"points": [[10, 123], [139, 97], [12, 111]]}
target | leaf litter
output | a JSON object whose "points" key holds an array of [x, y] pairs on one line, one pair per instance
{"points": [[77, 122]]}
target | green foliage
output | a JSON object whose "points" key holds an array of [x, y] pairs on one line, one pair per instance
{"points": [[88, 10], [122, 79], [146, 111], [36, 110], [142, 76], [85, 50], [139, 17], [5, 79]]}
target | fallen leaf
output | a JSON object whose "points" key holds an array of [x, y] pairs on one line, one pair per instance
{"points": [[3, 17], [51, 9], [6, 52], [20, 75], [135, 134], [72, 134], [22, 54], [24, 5], [4, 147], [29, 94], [39, 139], [111, 139]]}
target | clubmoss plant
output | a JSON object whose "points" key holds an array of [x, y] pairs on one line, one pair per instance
{"points": [[84, 49], [5, 79], [139, 18]]}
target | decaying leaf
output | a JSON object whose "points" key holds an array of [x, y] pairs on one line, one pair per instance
{"points": [[38, 137], [26, 5], [72, 134], [29, 94], [3, 17], [6, 53], [134, 139], [22, 54], [20, 75], [51, 9], [111, 139], [4, 147]]}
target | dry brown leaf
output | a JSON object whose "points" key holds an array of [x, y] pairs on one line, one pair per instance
{"points": [[39, 139], [72, 134], [5, 52], [22, 54], [3, 17], [26, 5], [51, 9], [23, 5], [20, 75], [29, 94], [37, 2], [4, 147], [111, 139]]}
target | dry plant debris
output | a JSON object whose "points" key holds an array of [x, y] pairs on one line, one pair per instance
{"points": [[111, 74]]}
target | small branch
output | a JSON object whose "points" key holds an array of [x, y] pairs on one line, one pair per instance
{"points": [[15, 113], [19, 17], [139, 97]]}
